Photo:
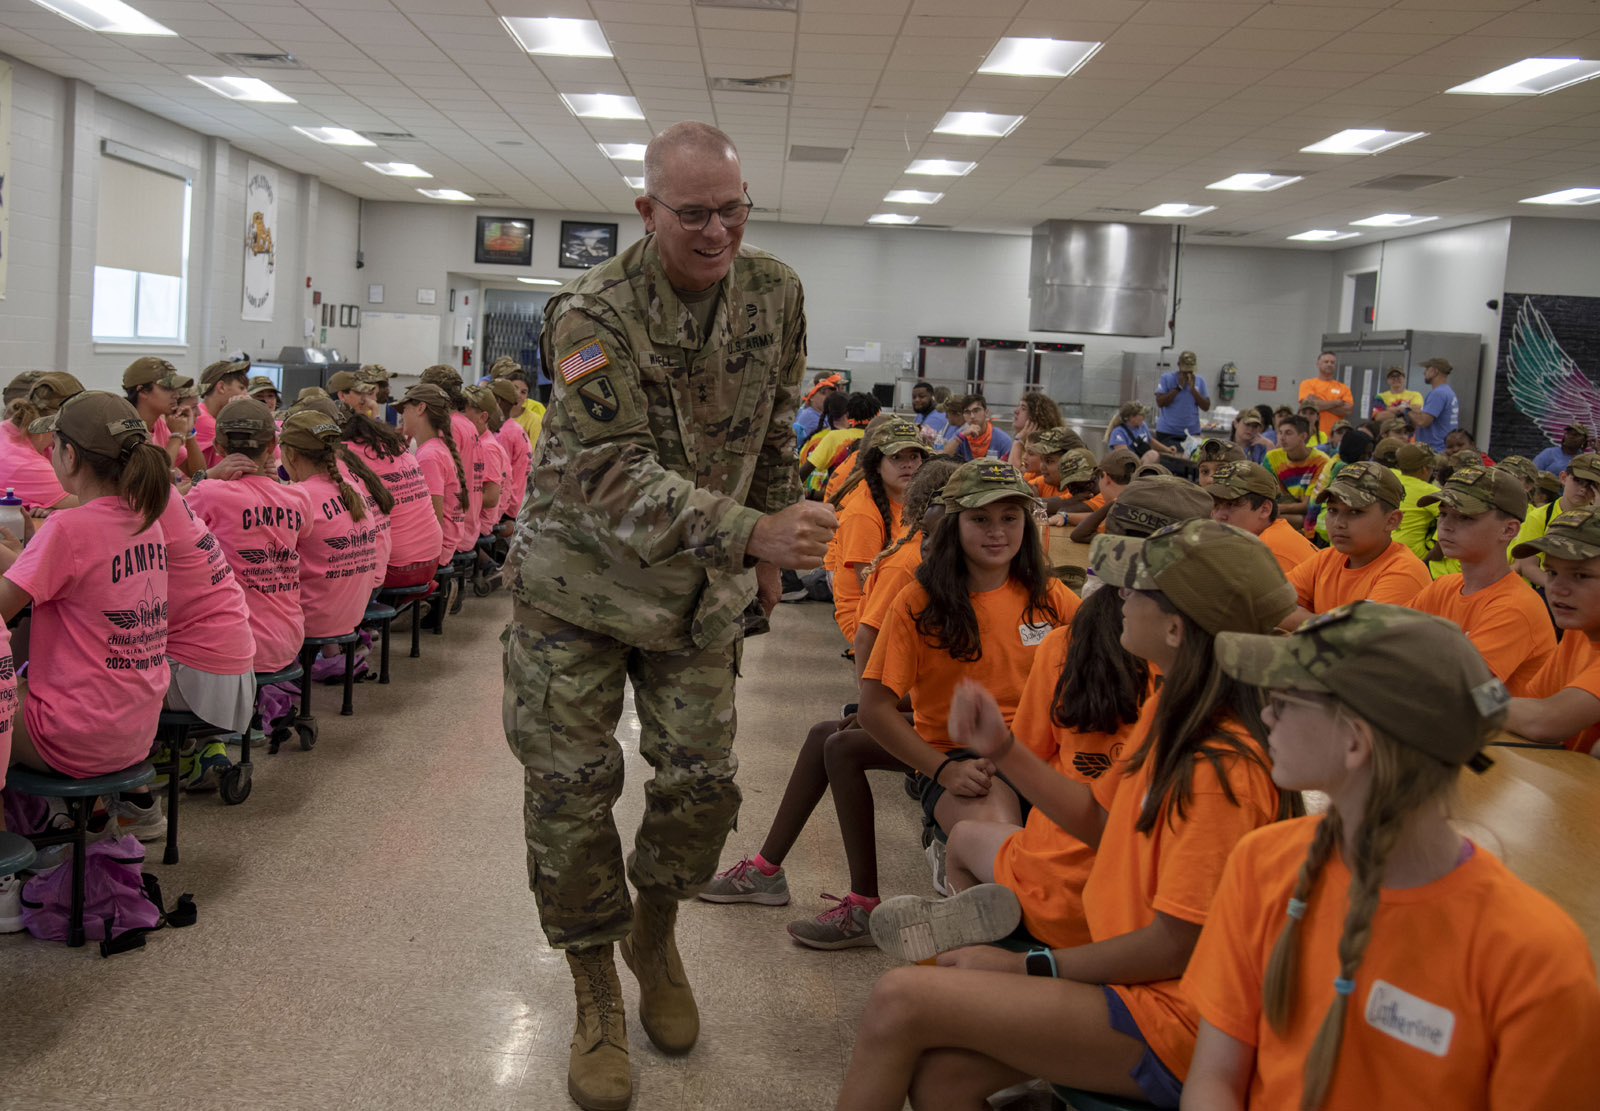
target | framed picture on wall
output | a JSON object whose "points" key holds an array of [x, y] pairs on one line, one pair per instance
{"points": [[584, 244], [507, 240]]}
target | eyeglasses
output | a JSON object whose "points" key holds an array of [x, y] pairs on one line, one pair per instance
{"points": [[975, 411], [695, 217], [1280, 702]]}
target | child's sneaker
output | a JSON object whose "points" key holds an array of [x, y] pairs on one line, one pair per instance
{"points": [[147, 823], [745, 883], [209, 767], [914, 928], [843, 926], [10, 904], [935, 851]]}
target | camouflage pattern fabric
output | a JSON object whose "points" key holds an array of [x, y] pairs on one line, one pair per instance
{"points": [[1573, 535], [563, 696]]}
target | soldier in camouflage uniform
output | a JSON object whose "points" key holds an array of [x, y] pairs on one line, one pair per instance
{"points": [[664, 477]]}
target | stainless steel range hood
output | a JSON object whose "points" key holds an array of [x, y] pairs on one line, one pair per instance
{"points": [[1101, 279]]}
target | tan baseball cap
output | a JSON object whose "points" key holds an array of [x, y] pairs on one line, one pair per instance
{"points": [[1221, 577], [150, 370], [327, 406], [442, 375], [1054, 441], [425, 393], [481, 397], [1441, 365], [504, 390], [311, 392], [1119, 464], [49, 390], [1078, 465], [309, 431], [1234, 480], [1187, 359], [1478, 489], [1218, 451], [214, 373], [1585, 466], [261, 384], [350, 380], [1153, 501], [1388, 450], [21, 384], [1573, 535], [1414, 457], [1361, 484], [981, 482], [246, 423], [101, 423]]}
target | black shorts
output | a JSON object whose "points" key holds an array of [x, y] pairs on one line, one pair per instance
{"points": [[932, 792]]}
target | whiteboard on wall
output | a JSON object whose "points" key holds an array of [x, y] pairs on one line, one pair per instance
{"points": [[404, 342]]}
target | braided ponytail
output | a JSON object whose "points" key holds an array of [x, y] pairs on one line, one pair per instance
{"points": [[347, 493], [369, 478], [1277, 987], [920, 493]]}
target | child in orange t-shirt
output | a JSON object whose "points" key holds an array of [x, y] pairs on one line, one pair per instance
{"points": [[1365, 562], [1375, 950], [1107, 1016]]}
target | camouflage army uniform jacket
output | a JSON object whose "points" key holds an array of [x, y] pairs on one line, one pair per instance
{"points": [[660, 449]]}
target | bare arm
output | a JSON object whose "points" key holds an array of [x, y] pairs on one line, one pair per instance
{"points": [[12, 599], [491, 494], [1552, 720], [1219, 1074], [1421, 418], [866, 637], [1086, 529], [1168, 397]]}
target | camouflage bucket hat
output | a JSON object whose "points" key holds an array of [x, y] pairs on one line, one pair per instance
{"points": [[1078, 465], [1154, 501], [309, 431], [260, 384], [1448, 706], [1218, 451], [1478, 489], [1585, 466], [102, 423], [1054, 441], [246, 423], [1232, 481], [1388, 450], [1573, 535], [896, 434], [1361, 484], [1221, 577], [1521, 466], [1413, 457], [150, 370], [214, 373], [983, 481]]}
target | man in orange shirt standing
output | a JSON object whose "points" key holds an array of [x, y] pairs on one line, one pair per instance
{"points": [[1246, 496], [1329, 396]]}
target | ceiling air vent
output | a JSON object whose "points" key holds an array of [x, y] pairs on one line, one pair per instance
{"points": [[1077, 164], [835, 155], [1404, 183], [492, 196], [1116, 211], [1214, 234], [248, 60], [752, 5], [777, 83], [390, 136]]}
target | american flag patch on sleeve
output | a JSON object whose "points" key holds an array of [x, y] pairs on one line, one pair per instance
{"points": [[581, 362]]}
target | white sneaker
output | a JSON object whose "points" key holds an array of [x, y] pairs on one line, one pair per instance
{"points": [[935, 852], [10, 904], [145, 823]]}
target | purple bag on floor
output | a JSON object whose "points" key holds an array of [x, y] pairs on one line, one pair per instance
{"points": [[114, 899], [274, 703], [24, 812]]}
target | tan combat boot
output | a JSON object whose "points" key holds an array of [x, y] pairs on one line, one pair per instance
{"points": [[666, 1004], [597, 1071]]}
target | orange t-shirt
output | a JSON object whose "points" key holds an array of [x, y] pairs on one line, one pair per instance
{"points": [[1044, 488], [1507, 623], [860, 537], [1574, 663], [1288, 546], [1475, 991], [831, 560], [1325, 389], [907, 664], [1044, 865], [1174, 869], [893, 575], [1326, 581], [838, 479]]}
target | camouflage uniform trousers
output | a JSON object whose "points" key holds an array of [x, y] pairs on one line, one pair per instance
{"points": [[563, 698]]}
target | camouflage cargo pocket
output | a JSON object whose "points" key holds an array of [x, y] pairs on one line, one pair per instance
{"points": [[527, 685]]}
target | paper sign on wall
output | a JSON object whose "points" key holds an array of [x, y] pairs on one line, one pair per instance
{"points": [[1267, 382], [261, 235], [865, 353]]}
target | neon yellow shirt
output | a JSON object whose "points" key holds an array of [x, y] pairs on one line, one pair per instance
{"points": [[531, 418], [1535, 523]]}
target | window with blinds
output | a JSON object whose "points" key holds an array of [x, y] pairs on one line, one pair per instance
{"points": [[141, 254]]}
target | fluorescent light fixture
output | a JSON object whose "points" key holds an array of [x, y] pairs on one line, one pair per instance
{"points": [[1565, 196], [1177, 211], [336, 136], [1358, 140], [1531, 77], [623, 152], [1391, 220], [569, 38], [912, 196], [397, 169], [892, 218], [984, 124], [941, 167], [602, 106], [634, 182], [243, 88], [540, 281], [1255, 183], [1038, 57], [447, 194], [111, 17], [1324, 235]]}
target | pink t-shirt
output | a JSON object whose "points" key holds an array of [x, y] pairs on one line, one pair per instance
{"points": [[337, 562], [160, 433], [439, 471], [466, 438], [98, 667], [261, 525], [208, 621], [205, 435], [376, 519], [519, 459], [414, 531], [26, 471], [493, 457]]}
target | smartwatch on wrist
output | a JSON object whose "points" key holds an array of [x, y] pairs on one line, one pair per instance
{"points": [[1040, 961]]}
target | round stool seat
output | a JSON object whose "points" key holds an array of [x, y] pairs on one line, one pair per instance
{"points": [[400, 593], [171, 719], [342, 638], [16, 853], [283, 675], [50, 784], [377, 611]]}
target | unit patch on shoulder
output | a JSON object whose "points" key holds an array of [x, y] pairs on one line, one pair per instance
{"points": [[599, 399], [585, 360]]}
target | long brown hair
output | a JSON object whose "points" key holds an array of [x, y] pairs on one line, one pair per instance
{"points": [[142, 476], [381, 495], [378, 438], [1102, 685], [327, 457], [439, 420]]}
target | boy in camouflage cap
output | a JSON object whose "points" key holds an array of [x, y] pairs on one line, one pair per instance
{"points": [[1212, 453], [1246, 496], [1078, 473], [1413, 463], [264, 390], [1362, 509], [1580, 483], [1563, 701]]}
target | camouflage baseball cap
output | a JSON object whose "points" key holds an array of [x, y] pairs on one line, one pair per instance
{"points": [[1478, 489], [214, 373], [327, 406], [48, 391], [1340, 425], [1573, 535], [1232, 481], [311, 392], [261, 384], [1413, 457], [309, 431], [1549, 483], [505, 367], [1521, 466], [1466, 457], [1250, 416], [102, 423], [983, 481], [342, 380], [1054, 441], [1448, 706], [1388, 450], [21, 384], [1154, 501], [1585, 466], [481, 398], [246, 423], [895, 435], [1218, 451], [1361, 484], [1221, 577], [1149, 469], [1078, 465], [375, 373], [188, 393], [425, 393], [444, 376], [1119, 464], [504, 390], [151, 370], [1187, 359]]}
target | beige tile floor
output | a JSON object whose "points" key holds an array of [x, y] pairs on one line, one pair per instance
{"points": [[367, 939]]}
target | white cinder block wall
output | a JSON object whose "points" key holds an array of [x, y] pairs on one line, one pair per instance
{"points": [[29, 313]]}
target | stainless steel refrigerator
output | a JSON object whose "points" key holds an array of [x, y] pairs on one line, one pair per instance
{"points": [[1365, 357]]}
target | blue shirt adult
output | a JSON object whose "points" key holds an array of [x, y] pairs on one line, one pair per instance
{"points": [[804, 425], [933, 419], [999, 446], [1180, 416], [1135, 440], [1445, 409], [1552, 459]]}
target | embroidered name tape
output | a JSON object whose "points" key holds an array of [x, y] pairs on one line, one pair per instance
{"points": [[582, 361]]}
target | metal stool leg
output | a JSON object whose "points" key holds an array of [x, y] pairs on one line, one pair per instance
{"points": [[383, 657], [416, 628], [79, 808], [170, 856], [308, 656], [349, 707]]}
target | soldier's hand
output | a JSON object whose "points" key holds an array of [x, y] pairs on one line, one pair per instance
{"points": [[795, 537]]}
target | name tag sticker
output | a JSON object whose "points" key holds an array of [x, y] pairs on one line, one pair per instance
{"points": [[1410, 1019], [1033, 634]]}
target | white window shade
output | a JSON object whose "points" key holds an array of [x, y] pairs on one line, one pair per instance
{"points": [[141, 219]]}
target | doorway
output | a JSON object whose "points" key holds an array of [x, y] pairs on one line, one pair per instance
{"points": [[1363, 300]]}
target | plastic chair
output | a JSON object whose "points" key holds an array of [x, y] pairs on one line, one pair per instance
{"points": [[402, 598], [16, 853], [173, 730], [79, 795]]}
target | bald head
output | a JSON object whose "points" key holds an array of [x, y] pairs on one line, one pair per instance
{"points": [[691, 140]]}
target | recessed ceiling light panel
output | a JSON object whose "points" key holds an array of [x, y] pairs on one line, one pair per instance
{"points": [[540, 281], [1565, 196], [622, 152], [567, 38], [941, 167], [1391, 220], [397, 169], [110, 17], [1362, 140], [634, 182], [912, 196], [892, 218], [986, 125], [1324, 235], [1177, 211], [1255, 183], [1531, 77], [1017, 57], [336, 136], [447, 194], [244, 88], [602, 106]]}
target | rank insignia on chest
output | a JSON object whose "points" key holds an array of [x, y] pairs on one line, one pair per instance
{"points": [[599, 399]]}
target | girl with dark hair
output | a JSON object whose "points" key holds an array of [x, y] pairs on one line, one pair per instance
{"points": [[1107, 1016], [463, 439], [834, 409], [425, 418], [831, 454], [415, 534], [24, 459]]}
